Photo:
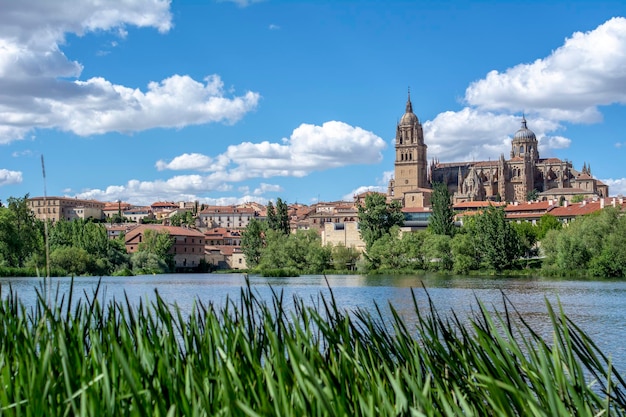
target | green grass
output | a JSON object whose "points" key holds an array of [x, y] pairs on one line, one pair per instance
{"points": [[256, 358]]}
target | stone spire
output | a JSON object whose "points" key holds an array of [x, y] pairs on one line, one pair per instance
{"points": [[409, 106]]}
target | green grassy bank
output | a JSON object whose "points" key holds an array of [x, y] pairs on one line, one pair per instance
{"points": [[255, 358]]}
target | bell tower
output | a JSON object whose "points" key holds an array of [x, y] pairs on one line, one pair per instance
{"points": [[410, 165]]}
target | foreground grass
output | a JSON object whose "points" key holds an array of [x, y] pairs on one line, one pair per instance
{"points": [[256, 358]]}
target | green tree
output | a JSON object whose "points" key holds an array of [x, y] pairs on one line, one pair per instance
{"points": [[344, 257], [546, 223], [27, 228], [272, 218], [73, 260], [252, 242], [438, 252], [148, 263], [441, 221], [159, 244], [499, 243], [578, 198], [376, 218], [282, 215], [465, 257], [532, 195], [527, 234]]}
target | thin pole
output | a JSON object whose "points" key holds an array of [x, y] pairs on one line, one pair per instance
{"points": [[45, 227]]}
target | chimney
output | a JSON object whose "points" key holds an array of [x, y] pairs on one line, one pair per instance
{"points": [[601, 203], [550, 202], [613, 202], [565, 203]]}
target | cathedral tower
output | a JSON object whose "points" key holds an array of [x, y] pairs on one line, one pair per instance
{"points": [[410, 166]]}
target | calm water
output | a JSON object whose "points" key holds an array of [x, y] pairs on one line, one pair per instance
{"points": [[598, 307]]}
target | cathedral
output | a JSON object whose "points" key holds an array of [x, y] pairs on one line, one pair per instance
{"points": [[524, 176]]}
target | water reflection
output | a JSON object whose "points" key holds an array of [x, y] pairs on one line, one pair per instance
{"points": [[596, 306]]}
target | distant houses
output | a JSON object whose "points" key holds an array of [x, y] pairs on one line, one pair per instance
{"points": [[216, 234]]}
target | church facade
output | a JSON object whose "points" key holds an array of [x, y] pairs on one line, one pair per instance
{"points": [[523, 176]]}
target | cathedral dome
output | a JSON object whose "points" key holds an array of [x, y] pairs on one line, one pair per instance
{"points": [[408, 119], [524, 133]]}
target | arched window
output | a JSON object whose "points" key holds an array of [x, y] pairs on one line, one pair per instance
{"points": [[521, 149]]}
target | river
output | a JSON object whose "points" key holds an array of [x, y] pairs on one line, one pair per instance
{"points": [[598, 307]]}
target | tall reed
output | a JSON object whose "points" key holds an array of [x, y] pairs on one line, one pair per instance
{"points": [[254, 357]]}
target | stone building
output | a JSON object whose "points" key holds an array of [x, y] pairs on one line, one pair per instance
{"points": [[523, 175]]}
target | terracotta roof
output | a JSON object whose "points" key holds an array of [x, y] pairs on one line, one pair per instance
{"points": [[532, 206], [172, 230], [576, 209], [228, 210], [416, 209], [164, 204], [477, 204], [551, 160]]}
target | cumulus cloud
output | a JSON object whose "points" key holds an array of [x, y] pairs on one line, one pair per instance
{"points": [[267, 188], [10, 177], [41, 88], [381, 187], [309, 148], [474, 135], [616, 186], [569, 84], [274, 27]]}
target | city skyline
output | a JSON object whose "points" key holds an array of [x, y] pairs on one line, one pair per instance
{"points": [[231, 101]]}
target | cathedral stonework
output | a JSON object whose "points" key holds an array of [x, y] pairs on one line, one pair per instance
{"points": [[522, 177]]}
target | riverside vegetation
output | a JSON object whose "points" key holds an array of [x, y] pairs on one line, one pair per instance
{"points": [[252, 357], [592, 245]]}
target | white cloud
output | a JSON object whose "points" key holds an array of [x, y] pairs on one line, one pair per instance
{"points": [[309, 148], [274, 27], [186, 161], [267, 188], [44, 86], [10, 177], [616, 186], [382, 182], [569, 85], [475, 135], [620, 144]]}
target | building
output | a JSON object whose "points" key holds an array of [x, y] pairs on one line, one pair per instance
{"points": [[57, 208], [523, 175], [188, 248], [229, 217]]}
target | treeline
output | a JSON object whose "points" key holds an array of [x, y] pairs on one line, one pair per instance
{"points": [[78, 247], [592, 245]]}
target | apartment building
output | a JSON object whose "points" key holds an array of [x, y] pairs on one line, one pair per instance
{"points": [[57, 208]]}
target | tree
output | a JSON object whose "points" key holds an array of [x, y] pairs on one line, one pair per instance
{"points": [[441, 221], [282, 214], [28, 230], [344, 257], [272, 218], [252, 242], [499, 243], [376, 218], [546, 223], [532, 195], [578, 198], [158, 244]]}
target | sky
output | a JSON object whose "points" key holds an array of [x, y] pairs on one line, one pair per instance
{"points": [[227, 102]]}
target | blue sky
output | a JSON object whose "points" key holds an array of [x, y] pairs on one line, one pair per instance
{"points": [[233, 101]]}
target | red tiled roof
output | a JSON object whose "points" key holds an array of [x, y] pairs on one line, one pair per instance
{"points": [[477, 204], [532, 206]]}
